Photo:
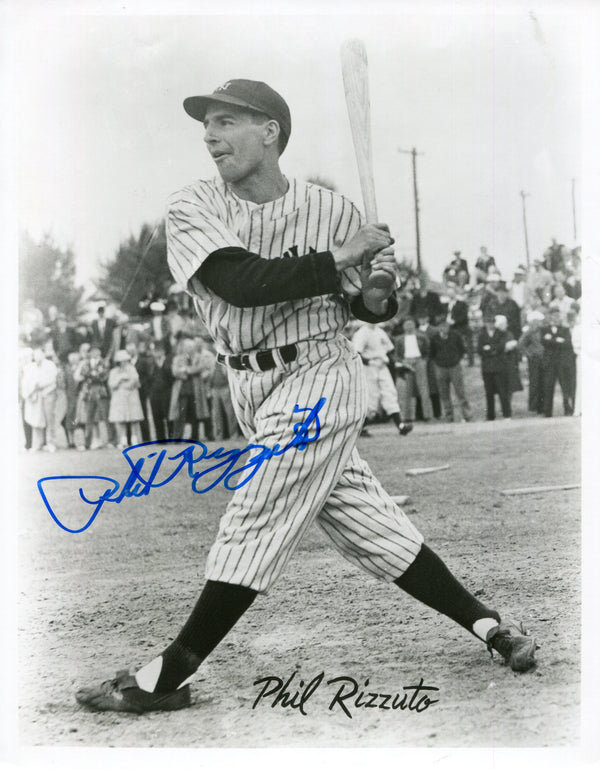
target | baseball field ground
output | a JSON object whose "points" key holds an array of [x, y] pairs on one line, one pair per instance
{"points": [[113, 596]]}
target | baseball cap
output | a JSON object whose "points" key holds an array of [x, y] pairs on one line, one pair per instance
{"points": [[249, 94]]}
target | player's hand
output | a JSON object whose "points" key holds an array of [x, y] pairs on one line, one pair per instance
{"points": [[378, 280], [368, 241]]}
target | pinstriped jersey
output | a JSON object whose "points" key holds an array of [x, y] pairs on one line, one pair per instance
{"points": [[208, 215]]}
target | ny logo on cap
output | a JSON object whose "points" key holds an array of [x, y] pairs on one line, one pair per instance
{"points": [[223, 87]]}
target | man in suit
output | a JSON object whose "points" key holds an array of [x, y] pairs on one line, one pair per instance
{"points": [[504, 305], [412, 350], [102, 332], [457, 271], [446, 351], [160, 381], [425, 302], [458, 319], [491, 346], [556, 362]]}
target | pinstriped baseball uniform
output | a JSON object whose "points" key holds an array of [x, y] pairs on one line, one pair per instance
{"points": [[373, 345], [327, 481]]}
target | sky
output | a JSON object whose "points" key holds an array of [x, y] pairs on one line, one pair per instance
{"points": [[492, 101]]}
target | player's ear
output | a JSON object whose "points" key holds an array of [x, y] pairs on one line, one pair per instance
{"points": [[271, 132]]}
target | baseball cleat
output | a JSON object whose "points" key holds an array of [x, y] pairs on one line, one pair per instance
{"points": [[513, 643], [404, 428], [122, 694]]}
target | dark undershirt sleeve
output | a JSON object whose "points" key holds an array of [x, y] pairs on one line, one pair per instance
{"points": [[244, 279], [360, 312]]}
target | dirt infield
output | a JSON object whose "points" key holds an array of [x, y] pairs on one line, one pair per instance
{"points": [[112, 596]]}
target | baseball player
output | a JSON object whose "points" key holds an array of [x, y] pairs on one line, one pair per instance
{"points": [[276, 266], [374, 345]]}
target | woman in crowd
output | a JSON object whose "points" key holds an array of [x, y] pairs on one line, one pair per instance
{"points": [[93, 397], [39, 394], [125, 407]]}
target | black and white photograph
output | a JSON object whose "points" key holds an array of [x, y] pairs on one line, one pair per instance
{"points": [[302, 392]]}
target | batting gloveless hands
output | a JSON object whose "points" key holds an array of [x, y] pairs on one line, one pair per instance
{"points": [[371, 239]]}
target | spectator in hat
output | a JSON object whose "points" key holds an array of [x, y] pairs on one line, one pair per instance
{"points": [[447, 348], [557, 362], [189, 404], [563, 302], [457, 312], [102, 331], [457, 271], [518, 289], [512, 355], [159, 324], [488, 297], [504, 305], [491, 346], [125, 407], [530, 345], [424, 301], [160, 381], [483, 265], [93, 398], [39, 395], [540, 280]]}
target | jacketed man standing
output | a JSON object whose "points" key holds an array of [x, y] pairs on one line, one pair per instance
{"points": [[277, 325], [374, 345], [446, 351]]}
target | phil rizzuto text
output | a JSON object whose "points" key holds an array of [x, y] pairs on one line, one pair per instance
{"points": [[343, 692]]}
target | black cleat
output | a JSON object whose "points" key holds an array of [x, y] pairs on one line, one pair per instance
{"points": [[513, 643], [122, 694]]}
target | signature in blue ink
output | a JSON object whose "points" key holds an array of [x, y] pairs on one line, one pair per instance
{"points": [[159, 464]]}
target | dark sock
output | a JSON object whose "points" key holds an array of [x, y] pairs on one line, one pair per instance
{"points": [[429, 580], [395, 417], [218, 609]]}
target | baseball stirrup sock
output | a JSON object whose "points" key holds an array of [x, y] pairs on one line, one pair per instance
{"points": [[429, 580], [218, 609]]}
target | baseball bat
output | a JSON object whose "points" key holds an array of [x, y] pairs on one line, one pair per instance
{"points": [[355, 75]]}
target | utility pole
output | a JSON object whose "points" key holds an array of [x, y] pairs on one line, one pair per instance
{"points": [[574, 212], [523, 196], [414, 154]]}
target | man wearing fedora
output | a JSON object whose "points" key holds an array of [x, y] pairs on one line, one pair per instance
{"points": [[457, 271]]}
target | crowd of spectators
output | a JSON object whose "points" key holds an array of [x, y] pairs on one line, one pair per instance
{"points": [[118, 381], [527, 323], [115, 380]]}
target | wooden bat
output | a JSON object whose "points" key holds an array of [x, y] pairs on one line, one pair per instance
{"points": [[355, 74], [426, 470], [540, 489]]}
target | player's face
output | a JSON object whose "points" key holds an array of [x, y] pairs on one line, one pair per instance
{"points": [[235, 141]]}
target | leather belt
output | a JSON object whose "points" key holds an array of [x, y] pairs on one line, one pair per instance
{"points": [[262, 360]]}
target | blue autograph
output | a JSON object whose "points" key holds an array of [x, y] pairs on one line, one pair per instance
{"points": [[230, 475]]}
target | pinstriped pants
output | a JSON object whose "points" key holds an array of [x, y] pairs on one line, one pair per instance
{"points": [[326, 481]]}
